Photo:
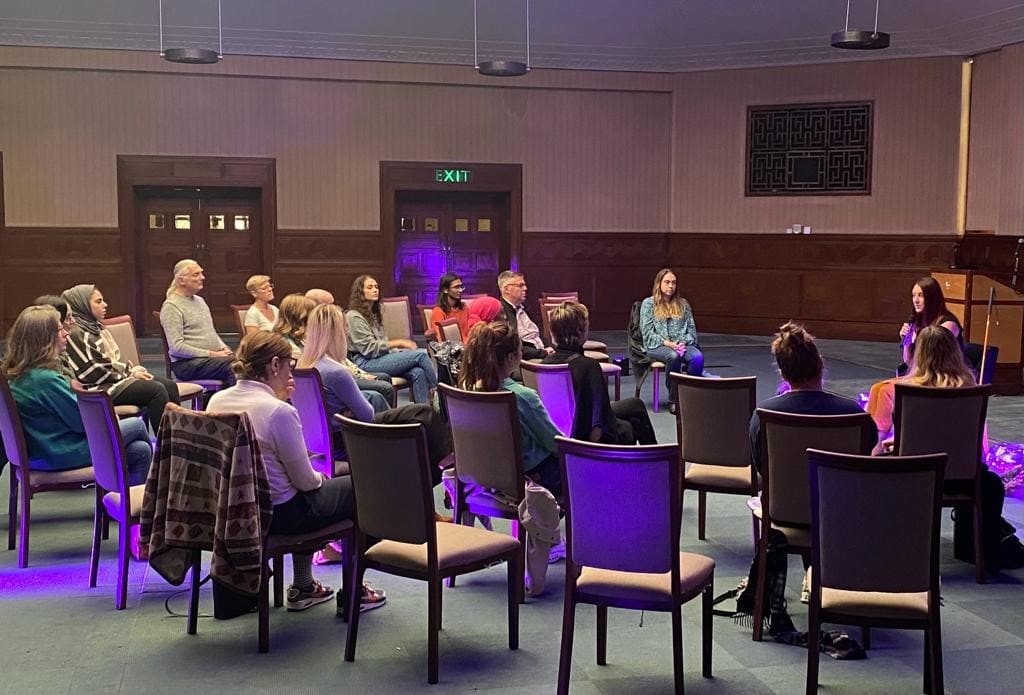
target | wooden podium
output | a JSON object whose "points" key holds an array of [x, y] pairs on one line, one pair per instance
{"points": [[966, 293]]}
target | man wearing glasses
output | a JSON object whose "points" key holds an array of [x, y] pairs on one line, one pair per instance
{"points": [[512, 286]]}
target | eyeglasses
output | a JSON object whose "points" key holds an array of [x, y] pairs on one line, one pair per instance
{"points": [[517, 284], [457, 287]]}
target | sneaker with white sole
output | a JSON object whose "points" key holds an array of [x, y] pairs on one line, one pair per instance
{"points": [[805, 588], [556, 553], [371, 598], [301, 599]]}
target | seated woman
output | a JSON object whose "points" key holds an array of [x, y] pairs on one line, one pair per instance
{"points": [[67, 319], [669, 332], [54, 432], [96, 359], [493, 352], [484, 309], [291, 320], [326, 347], [303, 499], [597, 419], [371, 349], [262, 315], [449, 304]]}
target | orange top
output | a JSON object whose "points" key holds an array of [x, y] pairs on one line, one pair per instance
{"points": [[460, 315]]}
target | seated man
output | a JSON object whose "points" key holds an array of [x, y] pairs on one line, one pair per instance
{"points": [[512, 287], [597, 419], [195, 348], [320, 296]]}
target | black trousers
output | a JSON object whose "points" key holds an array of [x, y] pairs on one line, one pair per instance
{"points": [[308, 511], [205, 368], [152, 395], [633, 424]]}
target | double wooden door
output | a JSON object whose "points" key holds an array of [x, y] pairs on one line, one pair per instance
{"points": [[465, 233], [217, 227]]}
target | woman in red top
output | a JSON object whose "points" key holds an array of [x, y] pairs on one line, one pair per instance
{"points": [[449, 304]]}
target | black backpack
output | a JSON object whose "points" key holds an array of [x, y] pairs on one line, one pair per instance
{"points": [[638, 358]]}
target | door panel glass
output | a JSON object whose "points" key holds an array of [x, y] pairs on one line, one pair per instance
{"points": [[182, 222], [241, 223], [217, 222], [461, 224], [156, 220], [483, 224], [430, 224]]}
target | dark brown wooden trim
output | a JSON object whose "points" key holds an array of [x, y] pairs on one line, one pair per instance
{"points": [[419, 176], [160, 170]]}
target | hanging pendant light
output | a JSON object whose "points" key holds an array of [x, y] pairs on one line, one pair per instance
{"points": [[501, 68], [860, 40], [193, 56]]}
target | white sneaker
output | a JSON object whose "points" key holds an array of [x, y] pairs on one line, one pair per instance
{"points": [[805, 587], [556, 553]]}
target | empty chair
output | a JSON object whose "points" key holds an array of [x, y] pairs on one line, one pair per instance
{"points": [[396, 317], [24, 482], [394, 503], [785, 502], [553, 383], [426, 313], [115, 498], [930, 420], [123, 331], [713, 423], [628, 561], [308, 399], [874, 549]]}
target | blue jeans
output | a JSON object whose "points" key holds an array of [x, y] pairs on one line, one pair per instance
{"points": [[690, 362], [414, 365], [137, 448]]}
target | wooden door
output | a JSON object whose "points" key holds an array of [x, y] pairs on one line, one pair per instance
{"points": [[439, 232], [219, 228]]}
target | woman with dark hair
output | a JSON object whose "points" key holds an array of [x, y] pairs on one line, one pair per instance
{"points": [[449, 304], [67, 320], [929, 309], [484, 309], [303, 499], [492, 353], [373, 351], [96, 358], [669, 331], [291, 320], [53, 426], [598, 419]]}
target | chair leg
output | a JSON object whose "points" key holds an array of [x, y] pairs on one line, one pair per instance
{"points": [[702, 510], [677, 646], [759, 607], [263, 606], [602, 635], [23, 527], [12, 510], [865, 636], [353, 606], [433, 625], [123, 550], [97, 524], [106, 528], [278, 572], [346, 580], [706, 625], [979, 550], [521, 561], [193, 601], [515, 571], [656, 402], [568, 628], [813, 642], [933, 642]]}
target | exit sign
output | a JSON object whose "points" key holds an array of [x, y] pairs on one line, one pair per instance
{"points": [[453, 175]]}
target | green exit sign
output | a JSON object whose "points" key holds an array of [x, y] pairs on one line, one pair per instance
{"points": [[453, 175]]}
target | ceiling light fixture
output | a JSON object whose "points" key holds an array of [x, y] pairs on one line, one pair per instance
{"points": [[501, 68], [860, 40], [193, 56]]}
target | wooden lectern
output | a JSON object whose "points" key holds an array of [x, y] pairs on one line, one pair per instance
{"points": [[966, 293]]}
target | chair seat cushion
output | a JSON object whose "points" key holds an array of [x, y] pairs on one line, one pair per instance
{"points": [[112, 502], [599, 356], [399, 382], [74, 476], [457, 545], [656, 365], [695, 571], [188, 389], [796, 536], [875, 604], [280, 543], [127, 410], [595, 345], [733, 477], [609, 369]]}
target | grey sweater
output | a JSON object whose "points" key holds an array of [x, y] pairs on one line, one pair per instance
{"points": [[188, 325], [364, 339]]}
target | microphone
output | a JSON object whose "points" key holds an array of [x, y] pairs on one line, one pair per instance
{"points": [[906, 339], [1016, 263]]}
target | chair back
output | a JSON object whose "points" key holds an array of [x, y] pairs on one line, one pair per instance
{"points": [[239, 311], [11, 432], [486, 438], [558, 297], [784, 441], [396, 317], [308, 399], [104, 436], [644, 480], [936, 420], [553, 383], [163, 341], [546, 307], [713, 419], [122, 330], [426, 314], [875, 523], [467, 299], [449, 331], [391, 480]]}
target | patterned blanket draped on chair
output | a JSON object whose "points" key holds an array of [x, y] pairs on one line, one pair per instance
{"points": [[207, 490]]}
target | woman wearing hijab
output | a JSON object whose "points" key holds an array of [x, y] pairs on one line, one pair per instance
{"points": [[483, 310], [97, 363]]}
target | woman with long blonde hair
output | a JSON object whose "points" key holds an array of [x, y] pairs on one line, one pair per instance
{"points": [[291, 320], [669, 331]]}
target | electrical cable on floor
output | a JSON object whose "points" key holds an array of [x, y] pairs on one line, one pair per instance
{"points": [[173, 614]]}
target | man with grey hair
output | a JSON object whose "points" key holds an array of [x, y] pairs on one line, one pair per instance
{"points": [[512, 287], [195, 348], [320, 296]]}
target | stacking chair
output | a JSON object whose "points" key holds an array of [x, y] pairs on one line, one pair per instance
{"points": [[569, 296], [632, 560], [308, 399], [240, 310], [467, 299], [553, 383], [396, 317], [24, 482], [952, 421], [880, 567], [392, 482], [123, 331], [713, 425], [427, 314], [449, 330], [114, 498], [785, 502], [592, 348], [205, 384], [488, 456], [642, 364]]}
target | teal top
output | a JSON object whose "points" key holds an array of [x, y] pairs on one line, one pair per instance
{"points": [[655, 331], [538, 431], [53, 427]]}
